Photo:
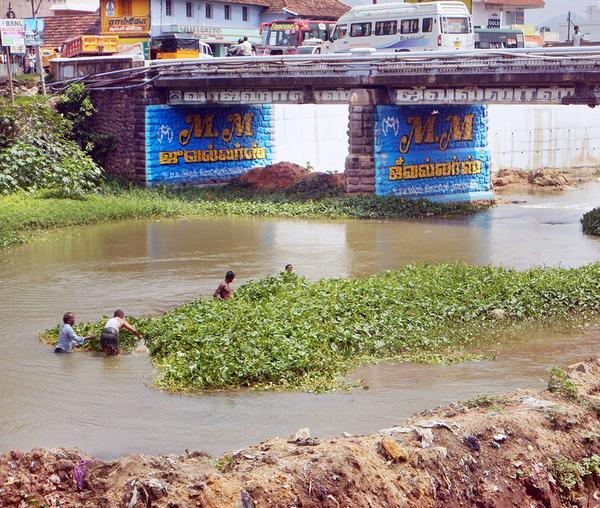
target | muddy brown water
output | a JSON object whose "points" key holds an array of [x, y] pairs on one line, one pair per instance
{"points": [[107, 407]]}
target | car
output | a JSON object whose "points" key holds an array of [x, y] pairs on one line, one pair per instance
{"points": [[309, 50]]}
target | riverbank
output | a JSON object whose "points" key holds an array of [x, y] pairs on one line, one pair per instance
{"points": [[522, 448], [25, 215], [285, 332]]}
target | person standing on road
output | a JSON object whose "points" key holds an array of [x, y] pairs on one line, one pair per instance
{"points": [[224, 290], [67, 338], [577, 36], [109, 339]]}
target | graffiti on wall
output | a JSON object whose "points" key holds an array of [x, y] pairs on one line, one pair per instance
{"points": [[426, 151], [205, 144]]}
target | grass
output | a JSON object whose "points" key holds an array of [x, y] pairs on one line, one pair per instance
{"points": [[572, 476], [23, 214], [285, 332]]}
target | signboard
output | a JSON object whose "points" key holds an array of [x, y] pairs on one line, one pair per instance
{"points": [[205, 144], [258, 96], [468, 3], [34, 31], [216, 34], [485, 95], [495, 20], [12, 32], [125, 25], [432, 152]]}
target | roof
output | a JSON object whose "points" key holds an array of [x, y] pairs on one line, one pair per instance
{"points": [[518, 3], [319, 9], [262, 3], [58, 29]]}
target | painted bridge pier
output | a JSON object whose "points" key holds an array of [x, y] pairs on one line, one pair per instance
{"points": [[417, 124]]}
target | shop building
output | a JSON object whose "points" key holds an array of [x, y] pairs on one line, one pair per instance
{"points": [[502, 13]]}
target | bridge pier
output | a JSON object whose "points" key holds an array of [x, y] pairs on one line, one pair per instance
{"points": [[360, 162]]}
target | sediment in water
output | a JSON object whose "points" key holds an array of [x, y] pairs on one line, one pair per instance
{"points": [[522, 449]]}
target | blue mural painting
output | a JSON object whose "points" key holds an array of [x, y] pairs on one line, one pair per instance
{"points": [[204, 144], [434, 152]]}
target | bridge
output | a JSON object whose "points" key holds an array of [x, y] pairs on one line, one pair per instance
{"points": [[542, 75], [417, 121]]}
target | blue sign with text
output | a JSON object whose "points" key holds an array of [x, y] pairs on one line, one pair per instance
{"points": [[205, 144], [433, 152]]}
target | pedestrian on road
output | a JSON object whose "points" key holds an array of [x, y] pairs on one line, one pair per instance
{"points": [[109, 339], [67, 338], [577, 36], [224, 290]]}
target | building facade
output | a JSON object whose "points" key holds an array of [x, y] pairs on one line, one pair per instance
{"points": [[502, 13]]}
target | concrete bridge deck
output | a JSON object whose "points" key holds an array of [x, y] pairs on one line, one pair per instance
{"points": [[552, 75]]}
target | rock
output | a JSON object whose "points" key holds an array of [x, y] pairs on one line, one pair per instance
{"points": [[246, 500], [156, 490], [498, 314], [301, 435], [581, 368], [54, 478], [63, 465], [393, 451]]}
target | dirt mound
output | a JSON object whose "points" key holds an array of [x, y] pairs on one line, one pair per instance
{"points": [[523, 449], [274, 177], [542, 179]]}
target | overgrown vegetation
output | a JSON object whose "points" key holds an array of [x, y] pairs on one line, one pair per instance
{"points": [[286, 332], [485, 401], [36, 152], [591, 222], [22, 214], [573, 476], [76, 106]]}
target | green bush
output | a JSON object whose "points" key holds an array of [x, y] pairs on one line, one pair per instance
{"points": [[591, 222], [75, 104], [35, 152]]}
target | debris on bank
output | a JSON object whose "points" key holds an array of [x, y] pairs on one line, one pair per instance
{"points": [[521, 449]]}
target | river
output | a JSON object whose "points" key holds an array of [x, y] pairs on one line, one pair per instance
{"points": [[107, 407]]}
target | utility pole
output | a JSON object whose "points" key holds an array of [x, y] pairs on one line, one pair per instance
{"points": [[38, 53], [569, 26], [10, 76]]}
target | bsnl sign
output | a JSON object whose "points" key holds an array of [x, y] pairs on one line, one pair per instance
{"points": [[438, 153], [468, 3]]}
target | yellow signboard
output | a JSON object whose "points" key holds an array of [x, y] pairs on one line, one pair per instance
{"points": [[468, 3], [126, 25]]}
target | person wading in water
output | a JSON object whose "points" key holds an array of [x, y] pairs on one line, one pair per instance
{"points": [[68, 339], [109, 339], [224, 290]]}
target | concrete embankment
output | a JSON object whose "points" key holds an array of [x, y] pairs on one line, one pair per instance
{"points": [[521, 449]]}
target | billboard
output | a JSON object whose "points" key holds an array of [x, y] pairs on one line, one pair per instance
{"points": [[34, 31], [12, 32], [432, 152], [205, 144]]}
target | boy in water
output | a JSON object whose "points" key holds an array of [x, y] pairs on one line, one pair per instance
{"points": [[289, 268], [224, 290], [67, 338], [109, 339]]}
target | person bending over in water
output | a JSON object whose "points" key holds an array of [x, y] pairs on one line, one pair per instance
{"points": [[67, 338], [109, 339], [224, 290]]}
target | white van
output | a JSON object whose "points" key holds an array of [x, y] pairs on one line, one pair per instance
{"points": [[390, 27]]}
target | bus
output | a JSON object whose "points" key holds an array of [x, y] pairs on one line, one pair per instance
{"points": [[286, 36], [399, 27]]}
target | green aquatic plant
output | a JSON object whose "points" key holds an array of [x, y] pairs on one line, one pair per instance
{"points": [[289, 333], [590, 222], [561, 383]]}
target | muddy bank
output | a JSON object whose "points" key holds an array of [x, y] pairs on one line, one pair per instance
{"points": [[553, 180], [522, 449]]}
